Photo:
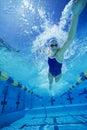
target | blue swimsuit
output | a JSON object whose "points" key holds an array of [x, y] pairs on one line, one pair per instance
{"points": [[54, 66]]}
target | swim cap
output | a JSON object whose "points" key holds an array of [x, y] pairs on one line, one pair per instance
{"points": [[53, 39]]}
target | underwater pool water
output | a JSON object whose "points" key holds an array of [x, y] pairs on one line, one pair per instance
{"points": [[24, 31]]}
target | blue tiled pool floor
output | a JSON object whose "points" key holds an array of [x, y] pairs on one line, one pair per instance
{"points": [[60, 122]]}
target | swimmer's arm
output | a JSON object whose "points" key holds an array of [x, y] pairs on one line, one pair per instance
{"points": [[77, 9], [71, 34], [60, 54], [78, 6]]}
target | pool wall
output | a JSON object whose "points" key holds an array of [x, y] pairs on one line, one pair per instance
{"points": [[12, 101]]}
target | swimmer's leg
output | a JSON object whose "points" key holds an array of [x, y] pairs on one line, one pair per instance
{"points": [[50, 78], [57, 78]]}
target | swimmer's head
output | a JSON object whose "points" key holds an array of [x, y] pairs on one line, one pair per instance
{"points": [[53, 43]]}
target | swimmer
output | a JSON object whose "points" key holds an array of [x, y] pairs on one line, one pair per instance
{"points": [[56, 57]]}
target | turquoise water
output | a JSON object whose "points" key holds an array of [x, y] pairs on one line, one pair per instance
{"points": [[25, 29]]}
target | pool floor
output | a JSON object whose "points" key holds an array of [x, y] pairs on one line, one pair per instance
{"points": [[72, 121]]}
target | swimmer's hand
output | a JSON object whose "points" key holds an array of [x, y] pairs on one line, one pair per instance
{"points": [[78, 6]]}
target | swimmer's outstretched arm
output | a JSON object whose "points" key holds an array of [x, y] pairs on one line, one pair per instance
{"points": [[77, 8]]}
